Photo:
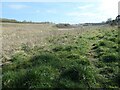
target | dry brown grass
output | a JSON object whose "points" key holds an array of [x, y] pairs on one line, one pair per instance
{"points": [[16, 34]]}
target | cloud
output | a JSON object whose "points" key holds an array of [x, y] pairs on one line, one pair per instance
{"points": [[17, 6], [79, 14], [53, 11], [85, 7], [109, 8], [88, 16], [104, 10]]}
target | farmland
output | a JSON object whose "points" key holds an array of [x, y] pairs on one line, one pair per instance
{"points": [[45, 56]]}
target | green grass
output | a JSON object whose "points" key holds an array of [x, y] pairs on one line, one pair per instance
{"points": [[90, 61]]}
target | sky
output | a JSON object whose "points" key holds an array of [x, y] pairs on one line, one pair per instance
{"points": [[61, 12]]}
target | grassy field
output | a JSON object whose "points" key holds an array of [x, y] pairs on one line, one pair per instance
{"points": [[44, 56]]}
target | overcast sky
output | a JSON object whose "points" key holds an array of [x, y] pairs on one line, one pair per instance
{"points": [[61, 12]]}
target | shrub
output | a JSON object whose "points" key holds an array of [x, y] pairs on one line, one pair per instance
{"points": [[64, 26]]}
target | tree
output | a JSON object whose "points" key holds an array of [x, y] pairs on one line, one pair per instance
{"points": [[109, 20], [24, 21]]}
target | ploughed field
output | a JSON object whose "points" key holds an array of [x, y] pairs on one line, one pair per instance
{"points": [[44, 56]]}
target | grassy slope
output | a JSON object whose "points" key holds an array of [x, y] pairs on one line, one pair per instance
{"points": [[82, 60]]}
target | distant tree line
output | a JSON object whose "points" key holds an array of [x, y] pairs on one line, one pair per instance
{"points": [[109, 21], [89, 24], [8, 20], [114, 22], [24, 21]]}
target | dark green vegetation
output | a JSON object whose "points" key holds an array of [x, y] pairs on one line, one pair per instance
{"points": [[64, 26], [5, 20], [8, 20], [89, 60]]}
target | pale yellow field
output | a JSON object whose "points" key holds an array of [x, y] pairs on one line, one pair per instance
{"points": [[15, 34]]}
